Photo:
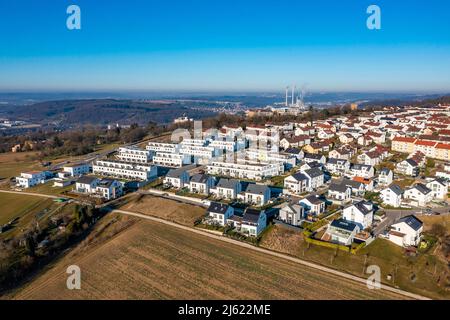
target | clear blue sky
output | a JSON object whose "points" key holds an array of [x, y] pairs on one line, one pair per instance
{"points": [[225, 45]]}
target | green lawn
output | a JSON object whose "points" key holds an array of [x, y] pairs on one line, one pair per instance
{"points": [[24, 207], [48, 188]]}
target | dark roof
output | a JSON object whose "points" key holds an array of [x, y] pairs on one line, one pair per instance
{"points": [[358, 166], [385, 171], [299, 176], [338, 187], [313, 156], [422, 188], [336, 161], [175, 173], [251, 215], [293, 150], [314, 199], [106, 183], [216, 207], [361, 207], [412, 162], [257, 188], [314, 172], [343, 224], [86, 179], [227, 183], [412, 221], [396, 189], [200, 178]]}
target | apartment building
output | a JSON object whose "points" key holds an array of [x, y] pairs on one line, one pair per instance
{"points": [[124, 170], [199, 154], [78, 169], [134, 155], [169, 159], [162, 147], [245, 169], [30, 179]]}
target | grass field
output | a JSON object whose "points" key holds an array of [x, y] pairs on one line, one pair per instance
{"points": [[150, 260], [170, 210], [425, 274], [23, 207], [48, 188], [11, 164]]}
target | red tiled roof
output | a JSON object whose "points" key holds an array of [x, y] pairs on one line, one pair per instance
{"points": [[404, 139], [425, 143], [443, 146]]}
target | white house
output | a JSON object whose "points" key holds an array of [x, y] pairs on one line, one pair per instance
{"points": [[341, 232], [439, 187], [31, 179], [362, 170], [201, 183], [219, 213], [134, 155], [169, 159], [297, 183], [177, 178], [361, 213], [86, 184], [243, 169], [339, 193], [370, 158], [392, 196], [419, 195], [257, 194], [337, 166], [163, 147], [227, 188], [252, 222], [385, 177], [313, 205], [313, 157], [78, 169], [406, 232], [316, 178], [124, 170], [291, 213], [109, 189], [408, 167]]}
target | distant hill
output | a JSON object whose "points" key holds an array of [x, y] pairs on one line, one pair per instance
{"points": [[422, 102], [102, 111]]}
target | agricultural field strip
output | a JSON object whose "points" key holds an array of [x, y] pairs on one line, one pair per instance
{"points": [[31, 194], [276, 254]]}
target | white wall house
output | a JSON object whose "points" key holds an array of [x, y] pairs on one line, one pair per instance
{"points": [[339, 193], [173, 160], [227, 188], [341, 232], [385, 177], [219, 213], [297, 183], [337, 166], [316, 178], [162, 147], [291, 214], [86, 184], [30, 179], [199, 154], [406, 232], [362, 170], [176, 178], [360, 213], [252, 223], [124, 170], [392, 196], [439, 188], [313, 205], [201, 183], [245, 169], [257, 194], [408, 167], [419, 195], [109, 189], [134, 155], [78, 169]]}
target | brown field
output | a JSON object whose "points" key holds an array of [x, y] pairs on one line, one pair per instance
{"points": [[170, 210], [428, 221], [150, 260], [11, 164]]}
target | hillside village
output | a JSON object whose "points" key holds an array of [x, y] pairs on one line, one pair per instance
{"points": [[344, 181]]}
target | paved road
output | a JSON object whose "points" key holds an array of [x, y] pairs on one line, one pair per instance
{"points": [[31, 194], [272, 253]]}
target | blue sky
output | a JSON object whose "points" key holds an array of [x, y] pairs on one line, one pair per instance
{"points": [[233, 45]]}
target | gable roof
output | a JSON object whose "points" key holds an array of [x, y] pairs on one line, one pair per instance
{"points": [[200, 178], [422, 188], [87, 180], [338, 187], [175, 173], [227, 183], [257, 189], [343, 224], [313, 199], [217, 207], [314, 172], [396, 189], [299, 176], [411, 221]]}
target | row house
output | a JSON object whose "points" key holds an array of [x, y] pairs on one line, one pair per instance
{"points": [[134, 155], [162, 147], [176, 178], [295, 141], [169, 159], [124, 170], [243, 169], [31, 179]]}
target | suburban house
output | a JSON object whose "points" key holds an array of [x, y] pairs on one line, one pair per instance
{"points": [[251, 223], [392, 196], [371, 158], [109, 189], [201, 183], [408, 167], [176, 178], [367, 182], [227, 188], [295, 141], [406, 232], [76, 170], [297, 183], [358, 188], [339, 193], [291, 213], [341, 153], [341, 232], [361, 213], [257, 194], [31, 179], [419, 195], [86, 184], [385, 177], [312, 157], [439, 187], [337, 166], [219, 213], [362, 170], [313, 205], [316, 178], [298, 153]]}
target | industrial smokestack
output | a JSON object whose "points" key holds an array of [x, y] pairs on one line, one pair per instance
{"points": [[287, 93], [293, 93]]}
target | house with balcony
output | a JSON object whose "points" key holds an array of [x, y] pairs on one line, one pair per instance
{"points": [[201, 183], [360, 213], [257, 194], [406, 232]]}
